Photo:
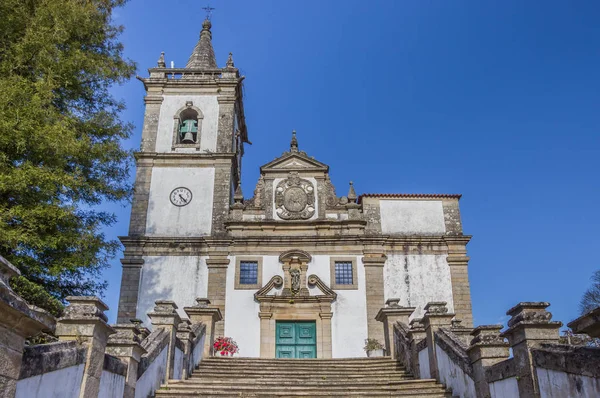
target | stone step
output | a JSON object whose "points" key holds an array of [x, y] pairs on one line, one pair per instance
{"points": [[348, 368], [225, 394], [291, 360], [258, 374], [296, 381]]}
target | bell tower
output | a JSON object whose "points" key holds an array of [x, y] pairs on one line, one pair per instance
{"points": [[189, 162]]}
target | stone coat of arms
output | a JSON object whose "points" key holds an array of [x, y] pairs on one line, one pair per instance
{"points": [[295, 198]]}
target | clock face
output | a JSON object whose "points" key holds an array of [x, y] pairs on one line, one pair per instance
{"points": [[181, 196]]}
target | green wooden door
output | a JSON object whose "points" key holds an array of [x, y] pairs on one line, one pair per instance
{"points": [[295, 339]]}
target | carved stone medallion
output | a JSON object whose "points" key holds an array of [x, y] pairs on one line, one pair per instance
{"points": [[295, 198]]}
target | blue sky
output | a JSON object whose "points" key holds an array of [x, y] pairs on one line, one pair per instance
{"points": [[497, 100]]}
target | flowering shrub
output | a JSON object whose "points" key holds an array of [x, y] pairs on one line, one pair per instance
{"points": [[225, 346]]}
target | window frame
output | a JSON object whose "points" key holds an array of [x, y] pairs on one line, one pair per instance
{"points": [[238, 274], [336, 286]]}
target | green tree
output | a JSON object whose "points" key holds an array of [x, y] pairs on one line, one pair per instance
{"points": [[61, 136], [591, 298]]}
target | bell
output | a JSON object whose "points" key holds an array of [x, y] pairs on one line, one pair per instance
{"points": [[188, 138]]}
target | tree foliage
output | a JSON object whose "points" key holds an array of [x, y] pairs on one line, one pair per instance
{"points": [[61, 136], [591, 298]]}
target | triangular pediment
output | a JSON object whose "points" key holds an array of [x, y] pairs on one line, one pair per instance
{"points": [[294, 161]]}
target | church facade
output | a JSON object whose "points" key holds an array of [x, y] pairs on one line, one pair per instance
{"points": [[296, 270]]}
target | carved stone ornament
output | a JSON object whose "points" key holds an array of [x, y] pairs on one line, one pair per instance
{"points": [[295, 198]]}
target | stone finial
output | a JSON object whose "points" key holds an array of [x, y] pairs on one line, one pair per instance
{"points": [[202, 302], [85, 307], [145, 332], [161, 60], [488, 335], [393, 302], [352, 193], [230, 63], [436, 308], [238, 197], [203, 56], [529, 313], [165, 306], [417, 324], [294, 143]]}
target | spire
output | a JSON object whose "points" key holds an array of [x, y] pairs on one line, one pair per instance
{"points": [[352, 193], [294, 143], [230, 63], [203, 56]]}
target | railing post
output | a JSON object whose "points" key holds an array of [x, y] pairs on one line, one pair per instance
{"points": [[18, 321], [529, 326], [125, 345], [186, 335], [165, 316], [487, 348], [84, 321], [436, 317], [389, 315], [202, 313]]}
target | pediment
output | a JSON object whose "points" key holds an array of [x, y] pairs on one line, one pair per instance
{"points": [[294, 161]]}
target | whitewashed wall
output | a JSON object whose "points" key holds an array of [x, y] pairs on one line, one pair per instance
{"points": [[194, 219], [555, 384], [209, 106], [178, 278], [178, 364], [424, 364], [453, 376], [417, 280], [65, 382], [111, 385], [197, 353], [153, 377], [410, 217], [506, 388], [348, 325]]}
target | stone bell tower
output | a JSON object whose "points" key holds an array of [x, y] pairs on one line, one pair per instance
{"points": [[189, 163]]}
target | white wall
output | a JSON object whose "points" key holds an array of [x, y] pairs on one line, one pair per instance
{"points": [[178, 278], [348, 325], [314, 183], [178, 364], [58, 384], [453, 376], [506, 388], [555, 384], [209, 106], [194, 219], [424, 364], [111, 385], [417, 280], [412, 217], [153, 377]]}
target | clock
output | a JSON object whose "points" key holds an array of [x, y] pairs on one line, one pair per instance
{"points": [[181, 196]]}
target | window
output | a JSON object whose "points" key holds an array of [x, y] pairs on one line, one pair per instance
{"points": [[344, 273], [248, 273]]}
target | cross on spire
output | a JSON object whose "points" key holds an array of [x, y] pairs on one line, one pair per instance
{"points": [[208, 10]]}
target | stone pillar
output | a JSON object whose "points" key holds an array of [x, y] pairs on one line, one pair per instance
{"points": [[458, 261], [165, 316], [436, 317], [84, 321], [389, 315], [130, 285], [416, 334], [217, 264], [487, 348], [125, 345], [18, 321], [374, 263], [530, 325], [186, 336], [209, 316]]}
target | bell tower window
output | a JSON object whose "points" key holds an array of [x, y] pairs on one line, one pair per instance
{"points": [[187, 127]]}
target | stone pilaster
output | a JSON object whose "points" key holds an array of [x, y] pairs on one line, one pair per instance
{"points": [[130, 285], [222, 196], [84, 321], [389, 315], [436, 317], [165, 316], [459, 276], [153, 102], [217, 264], [18, 321], [530, 325], [141, 195], [374, 263], [125, 345], [186, 335], [209, 316], [226, 122], [487, 348]]}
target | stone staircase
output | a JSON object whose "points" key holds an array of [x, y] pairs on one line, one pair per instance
{"points": [[256, 377]]}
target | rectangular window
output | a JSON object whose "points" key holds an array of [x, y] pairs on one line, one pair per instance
{"points": [[343, 273], [248, 272]]}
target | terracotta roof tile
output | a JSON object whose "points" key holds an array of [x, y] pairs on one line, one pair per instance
{"points": [[408, 195]]}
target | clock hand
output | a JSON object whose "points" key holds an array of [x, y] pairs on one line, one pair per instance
{"points": [[182, 198]]}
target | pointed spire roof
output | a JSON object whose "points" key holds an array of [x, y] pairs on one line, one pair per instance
{"points": [[203, 56]]}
